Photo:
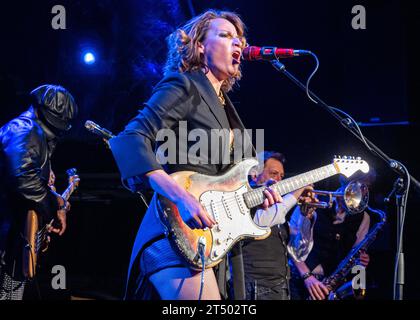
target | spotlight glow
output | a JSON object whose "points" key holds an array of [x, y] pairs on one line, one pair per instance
{"points": [[89, 58]]}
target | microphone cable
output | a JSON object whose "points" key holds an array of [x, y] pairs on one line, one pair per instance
{"points": [[311, 76], [349, 122]]}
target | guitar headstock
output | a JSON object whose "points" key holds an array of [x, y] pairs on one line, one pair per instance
{"points": [[347, 166], [73, 177]]}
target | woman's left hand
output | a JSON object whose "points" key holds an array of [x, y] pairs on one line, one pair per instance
{"points": [[271, 196]]}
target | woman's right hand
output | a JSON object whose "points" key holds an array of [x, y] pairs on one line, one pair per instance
{"points": [[193, 213], [316, 288]]}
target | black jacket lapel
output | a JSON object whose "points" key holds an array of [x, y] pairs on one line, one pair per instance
{"points": [[247, 148], [207, 92], [234, 118]]}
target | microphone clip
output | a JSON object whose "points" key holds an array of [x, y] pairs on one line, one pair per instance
{"points": [[394, 164], [278, 65], [397, 189], [268, 53]]}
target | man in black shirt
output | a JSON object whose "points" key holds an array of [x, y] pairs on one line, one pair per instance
{"points": [[266, 261]]}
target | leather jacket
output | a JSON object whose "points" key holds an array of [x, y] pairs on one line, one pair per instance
{"points": [[26, 145], [26, 148]]}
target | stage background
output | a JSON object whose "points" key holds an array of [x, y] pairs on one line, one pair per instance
{"points": [[371, 74]]}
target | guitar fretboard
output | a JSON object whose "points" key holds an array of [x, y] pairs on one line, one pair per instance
{"points": [[256, 197], [67, 193]]}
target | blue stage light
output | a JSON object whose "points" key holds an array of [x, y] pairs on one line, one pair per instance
{"points": [[89, 58]]}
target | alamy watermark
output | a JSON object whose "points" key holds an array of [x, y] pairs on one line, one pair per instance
{"points": [[199, 146], [359, 280], [359, 20], [58, 281], [59, 19]]}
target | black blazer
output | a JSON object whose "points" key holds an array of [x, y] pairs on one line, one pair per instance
{"points": [[187, 97], [178, 97]]}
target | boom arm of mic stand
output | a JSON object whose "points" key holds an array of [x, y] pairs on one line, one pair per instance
{"points": [[343, 121]]}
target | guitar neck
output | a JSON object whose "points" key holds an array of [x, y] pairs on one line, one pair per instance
{"points": [[256, 197], [67, 193]]}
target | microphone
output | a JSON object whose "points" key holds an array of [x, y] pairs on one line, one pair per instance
{"points": [[96, 129], [252, 53]]}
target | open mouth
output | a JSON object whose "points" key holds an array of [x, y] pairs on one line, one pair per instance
{"points": [[236, 57]]}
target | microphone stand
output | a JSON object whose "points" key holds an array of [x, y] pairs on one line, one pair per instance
{"points": [[400, 198], [400, 186]]}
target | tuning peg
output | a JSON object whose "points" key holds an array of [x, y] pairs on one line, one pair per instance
{"points": [[358, 158]]}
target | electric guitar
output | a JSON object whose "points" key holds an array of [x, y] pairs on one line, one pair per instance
{"points": [[36, 237], [228, 198]]}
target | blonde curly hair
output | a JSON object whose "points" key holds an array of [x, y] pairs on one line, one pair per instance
{"points": [[183, 53]]}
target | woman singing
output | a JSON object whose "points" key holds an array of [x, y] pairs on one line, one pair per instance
{"points": [[202, 66]]}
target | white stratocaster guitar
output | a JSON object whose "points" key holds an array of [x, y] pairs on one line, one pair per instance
{"points": [[228, 198]]}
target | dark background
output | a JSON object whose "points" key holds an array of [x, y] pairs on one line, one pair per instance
{"points": [[371, 74]]}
